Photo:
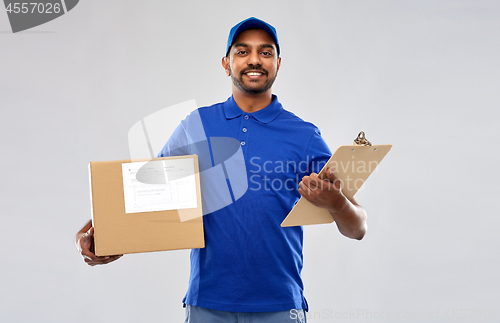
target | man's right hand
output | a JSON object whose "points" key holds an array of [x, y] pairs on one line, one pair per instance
{"points": [[84, 240]]}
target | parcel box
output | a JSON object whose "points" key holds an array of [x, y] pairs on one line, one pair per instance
{"points": [[146, 205]]}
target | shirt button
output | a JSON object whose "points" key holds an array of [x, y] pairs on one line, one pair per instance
{"points": [[244, 129], [246, 117], [243, 143]]}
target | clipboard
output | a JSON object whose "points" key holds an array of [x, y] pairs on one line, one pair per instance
{"points": [[352, 165]]}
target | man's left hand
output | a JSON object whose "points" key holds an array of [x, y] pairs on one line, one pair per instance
{"points": [[324, 193], [327, 193]]}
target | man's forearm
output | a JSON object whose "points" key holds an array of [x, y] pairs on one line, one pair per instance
{"points": [[351, 220], [347, 213]]}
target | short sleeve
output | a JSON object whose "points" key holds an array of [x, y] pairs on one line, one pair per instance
{"points": [[177, 144], [318, 152]]}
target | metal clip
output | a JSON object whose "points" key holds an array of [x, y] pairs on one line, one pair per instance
{"points": [[361, 140]]}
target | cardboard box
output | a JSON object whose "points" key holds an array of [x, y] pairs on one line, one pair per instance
{"points": [[124, 207]]}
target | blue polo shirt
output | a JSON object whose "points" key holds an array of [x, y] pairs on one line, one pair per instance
{"points": [[250, 263]]}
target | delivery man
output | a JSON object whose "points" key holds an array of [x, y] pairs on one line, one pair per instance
{"points": [[250, 268]]}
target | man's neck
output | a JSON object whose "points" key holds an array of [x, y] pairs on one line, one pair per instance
{"points": [[252, 102]]}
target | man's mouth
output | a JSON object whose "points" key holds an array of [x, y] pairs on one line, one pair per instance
{"points": [[254, 73]]}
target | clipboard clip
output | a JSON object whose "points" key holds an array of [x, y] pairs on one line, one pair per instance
{"points": [[361, 140]]}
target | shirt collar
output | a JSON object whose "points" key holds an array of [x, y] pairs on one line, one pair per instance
{"points": [[266, 115]]}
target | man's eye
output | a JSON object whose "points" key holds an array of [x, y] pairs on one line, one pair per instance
{"points": [[241, 52], [267, 53]]}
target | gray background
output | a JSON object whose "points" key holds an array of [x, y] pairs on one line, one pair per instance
{"points": [[421, 75]]}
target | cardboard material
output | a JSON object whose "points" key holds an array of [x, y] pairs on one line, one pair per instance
{"points": [[351, 164], [118, 232]]}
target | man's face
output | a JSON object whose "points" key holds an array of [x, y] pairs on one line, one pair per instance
{"points": [[253, 62]]}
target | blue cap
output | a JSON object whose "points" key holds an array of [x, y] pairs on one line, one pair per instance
{"points": [[251, 23]]}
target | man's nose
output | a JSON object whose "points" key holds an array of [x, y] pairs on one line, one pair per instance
{"points": [[254, 59]]}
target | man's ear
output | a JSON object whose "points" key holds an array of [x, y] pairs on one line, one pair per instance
{"points": [[225, 64], [279, 64]]}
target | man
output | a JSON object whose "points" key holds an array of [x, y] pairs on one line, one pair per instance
{"points": [[250, 267]]}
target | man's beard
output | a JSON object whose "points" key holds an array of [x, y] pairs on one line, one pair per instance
{"points": [[238, 81]]}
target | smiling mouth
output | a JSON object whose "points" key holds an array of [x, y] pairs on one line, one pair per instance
{"points": [[254, 72]]}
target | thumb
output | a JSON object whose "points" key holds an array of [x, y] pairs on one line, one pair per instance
{"points": [[88, 236], [332, 178]]}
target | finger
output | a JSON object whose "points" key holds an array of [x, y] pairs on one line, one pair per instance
{"points": [[332, 178], [88, 236], [86, 252], [312, 176], [311, 181], [329, 174], [112, 258], [88, 255], [316, 183], [96, 260], [102, 260], [308, 194], [303, 189], [305, 194], [86, 242], [308, 191]]}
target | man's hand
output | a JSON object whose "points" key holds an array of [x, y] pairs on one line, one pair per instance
{"points": [[84, 241], [348, 214], [326, 194]]}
